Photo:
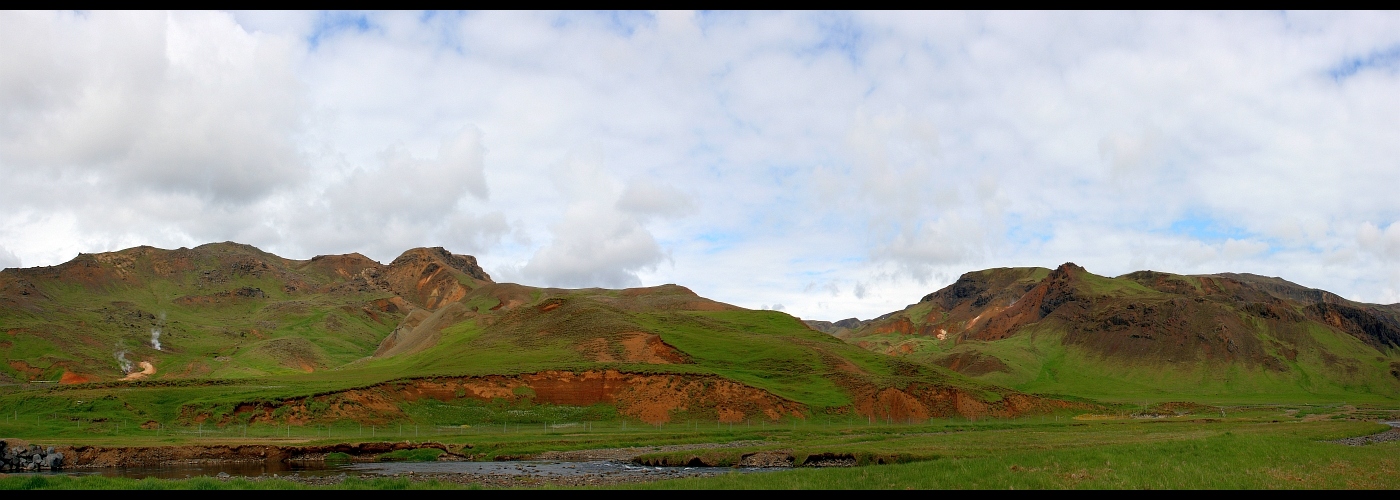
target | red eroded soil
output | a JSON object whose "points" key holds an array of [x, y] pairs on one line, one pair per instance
{"points": [[918, 402], [902, 349], [652, 398], [29, 372], [642, 347], [972, 363], [74, 378], [901, 325], [390, 305], [632, 347]]}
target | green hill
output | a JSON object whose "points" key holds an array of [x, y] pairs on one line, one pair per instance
{"points": [[227, 334], [1147, 336], [219, 311]]}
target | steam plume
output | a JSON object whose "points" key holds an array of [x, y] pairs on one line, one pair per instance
{"points": [[155, 332], [124, 363]]}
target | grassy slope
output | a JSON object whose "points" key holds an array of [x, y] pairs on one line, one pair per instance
{"points": [[764, 349], [246, 337], [778, 354], [1040, 362]]}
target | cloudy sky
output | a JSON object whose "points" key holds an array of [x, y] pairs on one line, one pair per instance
{"points": [[828, 164]]}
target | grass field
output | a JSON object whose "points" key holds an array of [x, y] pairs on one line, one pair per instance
{"points": [[1256, 447], [1250, 447], [1130, 456]]}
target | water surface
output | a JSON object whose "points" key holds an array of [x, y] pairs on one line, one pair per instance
{"points": [[528, 468]]}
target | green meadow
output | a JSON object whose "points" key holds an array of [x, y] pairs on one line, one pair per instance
{"points": [[1038, 361], [1108, 456], [781, 356], [1253, 447]]}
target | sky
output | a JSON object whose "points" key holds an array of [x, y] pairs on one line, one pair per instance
{"points": [[827, 164]]}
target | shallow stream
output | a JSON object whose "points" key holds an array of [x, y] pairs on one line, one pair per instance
{"points": [[607, 470]]}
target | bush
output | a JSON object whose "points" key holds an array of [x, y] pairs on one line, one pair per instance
{"points": [[416, 455]]}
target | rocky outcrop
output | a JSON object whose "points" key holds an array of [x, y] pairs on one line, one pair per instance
{"points": [[29, 458], [224, 297], [433, 277]]}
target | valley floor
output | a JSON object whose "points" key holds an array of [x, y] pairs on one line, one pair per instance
{"points": [[1261, 447]]}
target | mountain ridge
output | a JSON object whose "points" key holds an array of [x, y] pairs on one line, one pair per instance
{"points": [[344, 336], [1149, 323]]}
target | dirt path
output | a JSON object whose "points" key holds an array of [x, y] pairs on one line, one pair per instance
{"points": [[147, 369]]}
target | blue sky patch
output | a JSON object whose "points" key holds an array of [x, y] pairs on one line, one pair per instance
{"points": [[1021, 234], [717, 241], [334, 22], [840, 34], [1383, 59], [1205, 228]]}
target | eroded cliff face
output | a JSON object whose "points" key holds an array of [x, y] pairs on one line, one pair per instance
{"points": [[652, 398], [433, 277], [920, 402]]}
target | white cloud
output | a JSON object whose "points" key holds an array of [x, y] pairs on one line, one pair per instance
{"points": [[601, 239], [1384, 243], [184, 102], [881, 153], [595, 246], [8, 259], [405, 201], [648, 198], [947, 240]]}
